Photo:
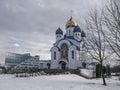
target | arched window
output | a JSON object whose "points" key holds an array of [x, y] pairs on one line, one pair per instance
{"points": [[72, 54], [54, 55]]}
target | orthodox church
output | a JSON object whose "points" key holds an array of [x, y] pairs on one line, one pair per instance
{"points": [[69, 50]]}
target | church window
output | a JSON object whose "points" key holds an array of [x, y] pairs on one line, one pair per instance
{"points": [[54, 55], [76, 34], [72, 54]]}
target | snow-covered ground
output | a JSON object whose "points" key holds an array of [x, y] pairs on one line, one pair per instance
{"points": [[55, 82]]}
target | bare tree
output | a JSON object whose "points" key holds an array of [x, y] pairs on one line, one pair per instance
{"points": [[112, 24], [97, 45]]}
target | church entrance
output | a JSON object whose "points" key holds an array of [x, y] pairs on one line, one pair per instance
{"points": [[62, 65], [64, 56]]}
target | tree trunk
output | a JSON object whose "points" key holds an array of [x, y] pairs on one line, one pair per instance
{"points": [[103, 77], [104, 81]]}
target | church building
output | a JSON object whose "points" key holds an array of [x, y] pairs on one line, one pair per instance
{"points": [[69, 50]]}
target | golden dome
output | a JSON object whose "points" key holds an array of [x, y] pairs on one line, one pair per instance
{"points": [[71, 23]]}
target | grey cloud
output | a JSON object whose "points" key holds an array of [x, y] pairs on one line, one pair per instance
{"points": [[29, 25]]}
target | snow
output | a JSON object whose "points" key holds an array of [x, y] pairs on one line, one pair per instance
{"points": [[85, 71], [55, 82]]}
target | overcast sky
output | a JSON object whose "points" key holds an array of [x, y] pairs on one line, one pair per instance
{"points": [[30, 25]]}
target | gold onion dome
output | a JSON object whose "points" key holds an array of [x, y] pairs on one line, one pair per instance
{"points": [[71, 23]]}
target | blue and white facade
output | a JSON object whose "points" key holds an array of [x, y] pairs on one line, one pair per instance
{"points": [[69, 50]]}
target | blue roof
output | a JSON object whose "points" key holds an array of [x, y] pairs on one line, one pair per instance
{"points": [[83, 34], [70, 37], [77, 29], [59, 31]]}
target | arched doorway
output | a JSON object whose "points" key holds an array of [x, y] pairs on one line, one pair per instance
{"points": [[64, 51], [62, 65]]}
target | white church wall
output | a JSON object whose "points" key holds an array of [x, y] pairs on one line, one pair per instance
{"points": [[79, 64], [72, 61], [77, 55], [69, 31], [58, 37], [54, 59], [53, 51], [54, 64], [77, 36]]}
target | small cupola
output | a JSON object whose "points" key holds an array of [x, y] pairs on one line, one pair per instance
{"points": [[77, 29], [83, 34], [77, 32], [59, 34], [59, 31]]}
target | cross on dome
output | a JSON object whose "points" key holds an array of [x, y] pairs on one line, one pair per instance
{"points": [[71, 12]]}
